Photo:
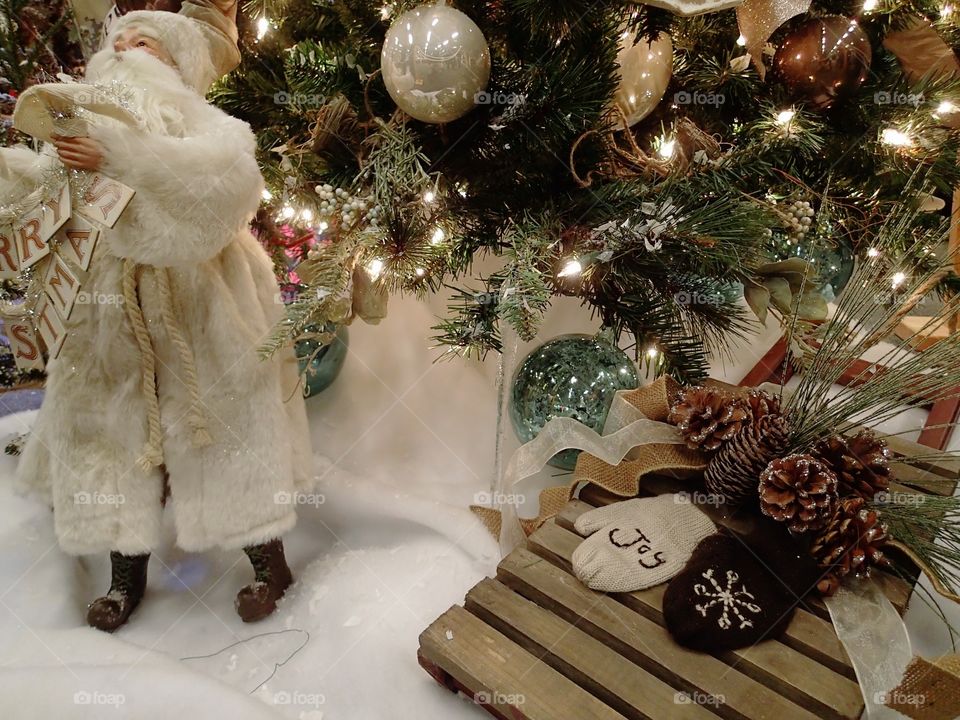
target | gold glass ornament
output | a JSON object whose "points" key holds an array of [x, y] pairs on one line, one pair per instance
{"points": [[645, 72], [435, 63]]}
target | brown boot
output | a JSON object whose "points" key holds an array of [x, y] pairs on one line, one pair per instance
{"points": [[273, 577], [129, 580]]}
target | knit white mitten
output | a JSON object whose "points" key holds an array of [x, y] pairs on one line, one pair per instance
{"points": [[638, 543]]}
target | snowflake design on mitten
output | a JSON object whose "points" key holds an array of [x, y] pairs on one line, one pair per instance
{"points": [[731, 599]]}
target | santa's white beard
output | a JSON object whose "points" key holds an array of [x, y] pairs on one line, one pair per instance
{"points": [[157, 91]]}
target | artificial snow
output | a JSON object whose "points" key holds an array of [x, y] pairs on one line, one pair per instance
{"points": [[403, 446]]}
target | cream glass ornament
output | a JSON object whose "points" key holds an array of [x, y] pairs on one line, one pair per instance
{"points": [[645, 72], [435, 63]]}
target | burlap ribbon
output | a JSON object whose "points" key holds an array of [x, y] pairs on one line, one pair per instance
{"points": [[928, 690], [636, 442]]}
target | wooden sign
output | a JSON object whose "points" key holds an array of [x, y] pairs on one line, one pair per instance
{"points": [[24, 343], [34, 229], [28, 235], [9, 261], [78, 239], [50, 326], [61, 285], [104, 200], [54, 236]]}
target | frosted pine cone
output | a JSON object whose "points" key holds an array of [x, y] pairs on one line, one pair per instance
{"points": [[861, 463], [734, 472], [762, 403], [851, 543], [707, 418], [800, 491]]}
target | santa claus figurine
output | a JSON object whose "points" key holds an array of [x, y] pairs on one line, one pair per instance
{"points": [[159, 398]]}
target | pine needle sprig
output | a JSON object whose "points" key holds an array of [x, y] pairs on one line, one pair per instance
{"points": [[870, 307]]}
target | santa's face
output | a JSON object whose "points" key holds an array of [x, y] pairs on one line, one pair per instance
{"points": [[136, 39]]}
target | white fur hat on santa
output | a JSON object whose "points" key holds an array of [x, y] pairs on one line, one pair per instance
{"points": [[201, 40]]}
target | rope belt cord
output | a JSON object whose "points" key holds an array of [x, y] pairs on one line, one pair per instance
{"points": [[152, 454], [197, 418]]}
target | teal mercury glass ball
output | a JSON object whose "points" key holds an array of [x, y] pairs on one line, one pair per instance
{"points": [[573, 376], [833, 260], [326, 364]]}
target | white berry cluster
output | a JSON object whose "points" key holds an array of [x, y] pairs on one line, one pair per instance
{"points": [[799, 218], [351, 209]]}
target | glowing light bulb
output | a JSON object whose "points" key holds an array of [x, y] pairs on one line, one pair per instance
{"points": [[946, 11], [322, 226], [667, 148], [873, 252], [652, 352], [742, 41], [945, 108], [896, 138], [375, 268], [438, 236], [785, 116], [385, 12], [869, 5], [898, 279], [267, 195], [571, 269], [429, 196], [307, 215], [288, 212], [421, 272], [263, 27]]}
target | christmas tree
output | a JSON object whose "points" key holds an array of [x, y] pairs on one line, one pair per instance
{"points": [[570, 166]]}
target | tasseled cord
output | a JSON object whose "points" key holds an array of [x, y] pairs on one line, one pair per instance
{"points": [[152, 455]]}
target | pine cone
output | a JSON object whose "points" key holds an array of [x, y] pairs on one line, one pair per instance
{"points": [[707, 418], [861, 464], [734, 472], [800, 491], [850, 544], [762, 403]]}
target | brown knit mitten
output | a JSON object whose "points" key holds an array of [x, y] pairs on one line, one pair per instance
{"points": [[738, 590]]}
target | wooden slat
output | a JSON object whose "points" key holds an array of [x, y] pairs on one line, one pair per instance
{"points": [[644, 642], [768, 367], [807, 633], [776, 665], [941, 422], [517, 684], [591, 664]]}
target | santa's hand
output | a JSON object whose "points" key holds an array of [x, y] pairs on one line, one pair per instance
{"points": [[79, 153]]}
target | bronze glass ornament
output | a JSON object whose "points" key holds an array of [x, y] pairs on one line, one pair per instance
{"points": [[823, 59]]}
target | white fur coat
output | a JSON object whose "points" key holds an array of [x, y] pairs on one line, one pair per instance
{"points": [[196, 192]]}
